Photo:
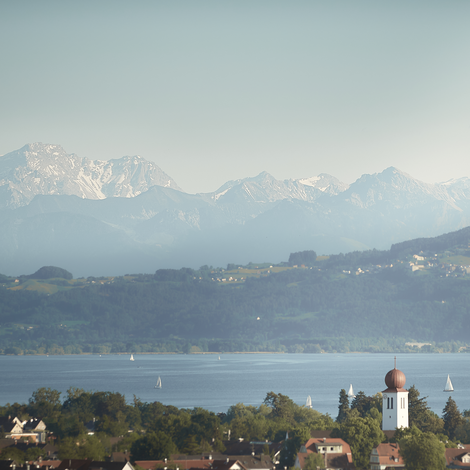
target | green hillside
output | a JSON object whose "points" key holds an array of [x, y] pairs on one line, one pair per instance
{"points": [[363, 301]]}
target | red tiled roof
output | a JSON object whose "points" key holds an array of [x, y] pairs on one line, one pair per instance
{"points": [[310, 444], [454, 457], [388, 454], [182, 464], [334, 459], [72, 463]]}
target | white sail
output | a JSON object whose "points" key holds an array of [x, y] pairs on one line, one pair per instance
{"points": [[132, 358], [449, 387], [159, 383], [351, 392], [309, 402]]}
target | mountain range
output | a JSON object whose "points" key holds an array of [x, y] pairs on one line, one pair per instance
{"points": [[127, 215]]}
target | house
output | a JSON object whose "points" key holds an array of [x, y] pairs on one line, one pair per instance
{"points": [[254, 462], [68, 464], [335, 451], [34, 425], [8, 464], [227, 464], [182, 464], [386, 456], [10, 426], [45, 464], [72, 464], [79, 464], [12, 465], [193, 463], [459, 457], [33, 429], [241, 447], [212, 462]]}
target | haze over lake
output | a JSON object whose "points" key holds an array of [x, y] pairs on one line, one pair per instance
{"points": [[205, 381]]}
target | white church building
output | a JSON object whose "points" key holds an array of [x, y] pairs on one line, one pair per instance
{"points": [[394, 401]]}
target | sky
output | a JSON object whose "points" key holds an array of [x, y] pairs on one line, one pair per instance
{"points": [[213, 91]]}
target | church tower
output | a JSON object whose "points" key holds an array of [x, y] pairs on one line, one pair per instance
{"points": [[394, 401]]}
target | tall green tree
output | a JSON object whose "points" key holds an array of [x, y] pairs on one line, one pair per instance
{"points": [[417, 408], [281, 406], [462, 433], [361, 403], [452, 418], [79, 405], [297, 437], [343, 408], [45, 402], [362, 434], [422, 451]]}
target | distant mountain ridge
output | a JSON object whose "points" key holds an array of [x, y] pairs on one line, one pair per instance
{"points": [[264, 188], [39, 169], [127, 215]]}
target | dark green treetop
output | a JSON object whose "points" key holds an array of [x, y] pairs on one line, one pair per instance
{"points": [[422, 451], [153, 446], [49, 272], [343, 408], [452, 418], [281, 405], [307, 258], [362, 434]]}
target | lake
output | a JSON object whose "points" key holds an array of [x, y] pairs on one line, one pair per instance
{"points": [[203, 380]]}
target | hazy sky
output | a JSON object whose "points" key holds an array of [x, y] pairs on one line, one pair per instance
{"points": [[219, 90]]}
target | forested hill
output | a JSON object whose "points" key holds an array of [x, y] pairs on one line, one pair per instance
{"points": [[460, 238], [362, 301]]}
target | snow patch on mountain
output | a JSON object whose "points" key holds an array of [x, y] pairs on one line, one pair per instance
{"points": [[309, 181], [324, 183]]}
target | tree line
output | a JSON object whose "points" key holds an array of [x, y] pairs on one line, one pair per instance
{"points": [[158, 431]]}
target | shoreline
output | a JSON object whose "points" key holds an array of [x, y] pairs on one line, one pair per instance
{"points": [[232, 352]]}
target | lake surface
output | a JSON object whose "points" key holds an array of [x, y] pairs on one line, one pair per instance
{"points": [[204, 380]]}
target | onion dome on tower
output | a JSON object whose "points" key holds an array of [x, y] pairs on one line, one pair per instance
{"points": [[395, 380]]}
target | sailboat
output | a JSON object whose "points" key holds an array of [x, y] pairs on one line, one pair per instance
{"points": [[132, 358], [309, 402], [448, 387], [159, 383], [351, 392]]}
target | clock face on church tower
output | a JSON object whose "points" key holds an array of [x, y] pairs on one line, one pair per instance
{"points": [[384, 396]]}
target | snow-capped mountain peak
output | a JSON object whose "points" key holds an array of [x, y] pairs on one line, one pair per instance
{"points": [[47, 169]]}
